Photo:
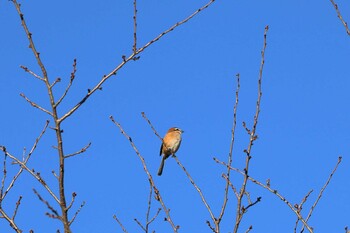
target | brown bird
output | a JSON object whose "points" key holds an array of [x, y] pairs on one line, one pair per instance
{"points": [[171, 143]]}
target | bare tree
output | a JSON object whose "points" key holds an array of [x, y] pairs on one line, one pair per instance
{"points": [[60, 209]]}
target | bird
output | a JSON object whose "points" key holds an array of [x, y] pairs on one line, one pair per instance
{"points": [[170, 144]]}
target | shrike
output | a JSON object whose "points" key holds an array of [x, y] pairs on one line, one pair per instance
{"points": [[171, 143]]}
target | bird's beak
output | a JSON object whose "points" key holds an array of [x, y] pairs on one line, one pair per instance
{"points": [[182, 131]]}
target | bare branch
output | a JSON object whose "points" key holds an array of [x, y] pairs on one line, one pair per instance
{"points": [[150, 178], [76, 213], [300, 207], [4, 171], [138, 223], [31, 43], [36, 105], [57, 80], [72, 202], [253, 137], [16, 208], [120, 223], [82, 150], [340, 17], [231, 185], [227, 176], [274, 191], [31, 171], [322, 190], [31, 72], [249, 229], [3, 195], [10, 221], [149, 122], [72, 77], [37, 140], [127, 59], [54, 214], [135, 27], [198, 190]]}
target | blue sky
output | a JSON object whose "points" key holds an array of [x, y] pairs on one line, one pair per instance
{"points": [[187, 79]]}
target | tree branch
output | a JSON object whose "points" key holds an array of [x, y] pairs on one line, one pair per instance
{"points": [[127, 59]]}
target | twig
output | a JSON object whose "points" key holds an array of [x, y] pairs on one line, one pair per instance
{"points": [[150, 178], [253, 137], [76, 213], [135, 27], [31, 72], [231, 185], [227, 176], [36, 105], [55, 214], [25, 160], [4, 171], [57, 80], [198, 190], [38, 139], [322, 190], [120, 223], [72, 202], [10, 221], [72, 77], [340, 17], [31, 171], [127, 59], [16, 208], [274, 191], [82, 150], [149, 122], [249, 229], [300, 207], [138, 223]]}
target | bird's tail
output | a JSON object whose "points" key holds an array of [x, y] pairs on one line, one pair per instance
{"points": [[160, 170]]}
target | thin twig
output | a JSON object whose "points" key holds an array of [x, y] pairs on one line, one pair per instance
{"points": [[197, 188], [227, 176], [57, 80], [322, 190], [150, 178], [25, 160], [55, 213], [120, 223], [149, 122], [127, 59], [72, 77], [274, 191], [231, 185], [10, 221], [253, 137], [138, 223], [4, 171], [82, 150], [31, 72], [76, 213], [72, 201], [135, 27], [340, 17], [35, 105], [16, 208], [249, 229], [300, 207], [31, 171]]}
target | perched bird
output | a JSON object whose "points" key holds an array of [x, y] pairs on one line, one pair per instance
{"points": [[171, 143]]}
